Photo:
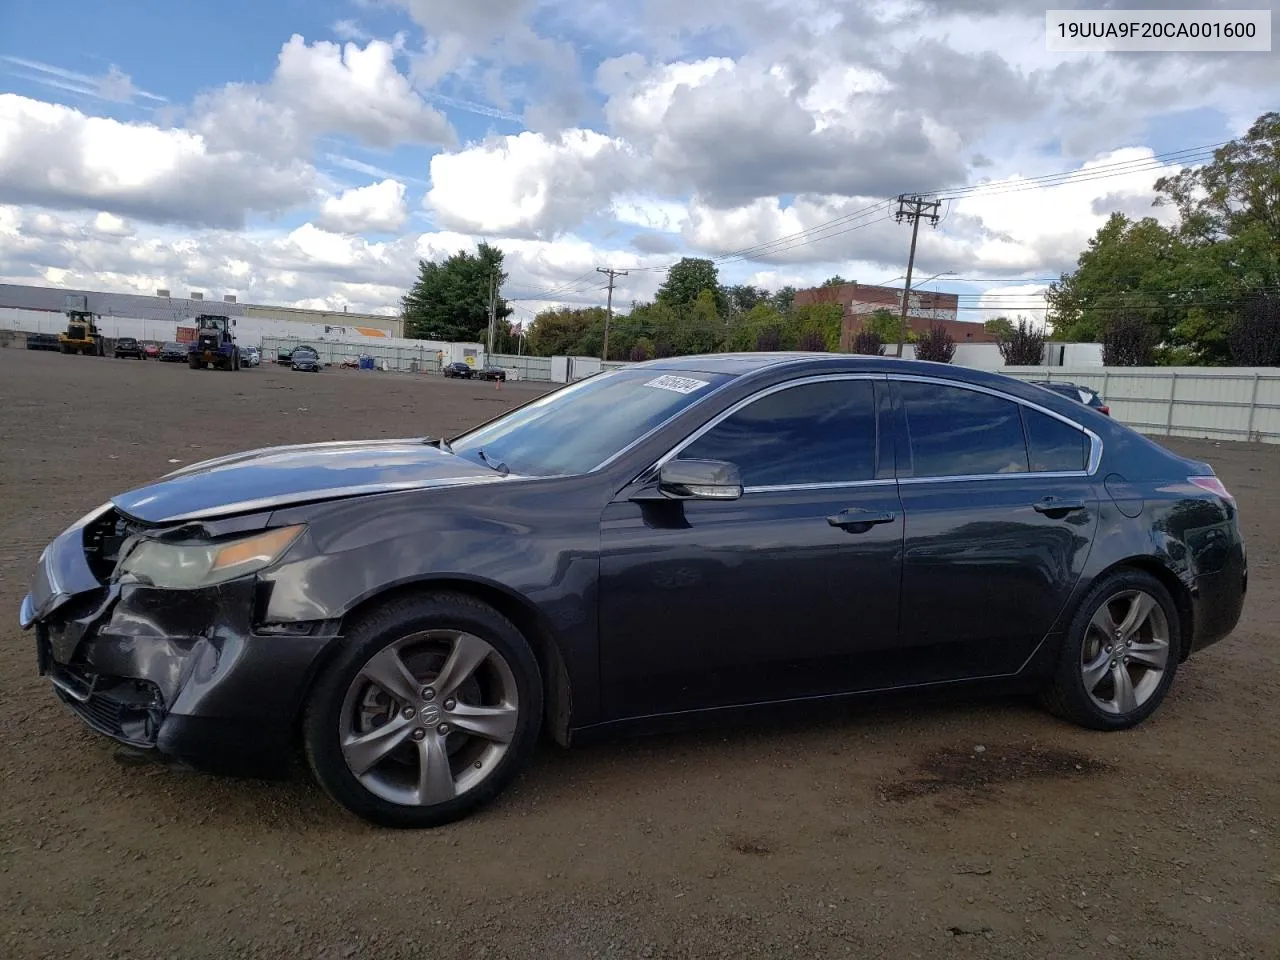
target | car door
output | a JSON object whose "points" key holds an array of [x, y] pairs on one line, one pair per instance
{"points": [[784, 593], [1000, 513]]}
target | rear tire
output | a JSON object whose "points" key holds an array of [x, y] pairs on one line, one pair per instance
{"points": [[479, 727], [1119, 655]]}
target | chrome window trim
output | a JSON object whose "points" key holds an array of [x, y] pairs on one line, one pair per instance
{"points": [[648, 472], [803, 487], [1095, 441]]}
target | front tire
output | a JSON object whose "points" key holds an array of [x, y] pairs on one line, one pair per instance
{"points": [[1120, 654], [428, 712]]}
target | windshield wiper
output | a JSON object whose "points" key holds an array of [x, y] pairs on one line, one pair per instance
{"points": [[500, 467], [439, 442]]}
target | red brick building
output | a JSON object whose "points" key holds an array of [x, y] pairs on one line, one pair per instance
{"points": [[924, 308]]}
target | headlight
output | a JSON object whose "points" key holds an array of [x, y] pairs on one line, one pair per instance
{"points": [[186, 566]]}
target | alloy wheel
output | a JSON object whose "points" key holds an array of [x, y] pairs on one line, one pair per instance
{"points": [[1125, 651], [429, 717]]}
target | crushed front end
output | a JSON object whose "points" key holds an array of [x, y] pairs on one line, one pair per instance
{"points": [[189, 671]]}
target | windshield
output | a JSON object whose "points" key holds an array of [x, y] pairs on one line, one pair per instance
{"points": [[304, 353], [576, 429]]}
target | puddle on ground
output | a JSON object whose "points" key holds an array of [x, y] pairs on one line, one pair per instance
{"points": [[971, 773]]}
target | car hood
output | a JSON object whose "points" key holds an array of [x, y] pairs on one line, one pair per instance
{"points": [[301, 473]]}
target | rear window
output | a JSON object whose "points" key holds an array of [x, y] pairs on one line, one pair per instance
{"points": [[1054, 446]]}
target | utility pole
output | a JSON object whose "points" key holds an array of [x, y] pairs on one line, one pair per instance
{"points": [[912, 207], [612, 274], [493, 312]]}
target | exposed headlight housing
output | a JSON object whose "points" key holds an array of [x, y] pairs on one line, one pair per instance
{"points": [[189, 566]]}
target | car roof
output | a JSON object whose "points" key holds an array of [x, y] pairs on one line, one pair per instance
{"points": [[800, 363]]}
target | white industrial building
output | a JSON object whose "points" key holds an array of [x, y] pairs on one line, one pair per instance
{"points": [[32, 309]]}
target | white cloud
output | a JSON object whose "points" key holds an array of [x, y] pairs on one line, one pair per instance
{"points": [[306, 264], [357, 91], [378, 206], [736, 130], [322, 88], [529, 184], [55, 156], [650, 212]]}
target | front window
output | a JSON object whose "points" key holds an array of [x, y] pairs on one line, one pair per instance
{"points": [[811, 433], [579, 427]]}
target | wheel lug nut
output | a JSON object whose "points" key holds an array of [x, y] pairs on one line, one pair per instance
{"points": [[419, 734], [408, 713], [442, 729], [428, 693], [450, 704]]}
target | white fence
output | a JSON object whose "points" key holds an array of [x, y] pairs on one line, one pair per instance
{"points": [[1221, 403]]}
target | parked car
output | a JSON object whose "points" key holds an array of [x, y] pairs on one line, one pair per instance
{"points": [[459, 369], [491, 373], [173, 352], [128, 347], [1089, 398], [151, 350], [250, 356], [698, 536], [43, 341], [305, 359]]}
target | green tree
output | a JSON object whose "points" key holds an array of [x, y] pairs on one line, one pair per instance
{"points": [[688, 278], [1186, 284], [763, 320], [699, 329], [1000, 327], [450, 299], [783, 298], [743, 297], [1127, 265], [825, 319], [567, 332], [1237, 196], [835, 281], [884, 323]]}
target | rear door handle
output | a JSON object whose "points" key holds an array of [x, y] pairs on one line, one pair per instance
{"points": [[1057, 505], [852, 518]]}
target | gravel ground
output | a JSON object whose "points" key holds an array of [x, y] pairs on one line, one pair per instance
{"points": [[881, 831]]}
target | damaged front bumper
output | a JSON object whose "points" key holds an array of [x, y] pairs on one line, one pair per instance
{"points": [[191, 674]]}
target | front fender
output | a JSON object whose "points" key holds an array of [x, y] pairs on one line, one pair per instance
{"points": [[546, 558]]}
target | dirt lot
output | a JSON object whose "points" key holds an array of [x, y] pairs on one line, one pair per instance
{"points": [[882, 832]]}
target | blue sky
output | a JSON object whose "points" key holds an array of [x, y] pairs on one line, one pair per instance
{"points": [[311, 152]]}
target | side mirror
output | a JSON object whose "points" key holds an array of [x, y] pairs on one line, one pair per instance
{"points": [[699, 480]]}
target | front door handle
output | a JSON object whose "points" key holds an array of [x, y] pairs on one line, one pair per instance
{"points": [[855, 518], [1052, 505]]}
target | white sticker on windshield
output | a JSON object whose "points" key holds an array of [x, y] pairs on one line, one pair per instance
{"points": [[678, 384]]}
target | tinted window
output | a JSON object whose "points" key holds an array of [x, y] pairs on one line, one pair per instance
{"points": [[957, 432], [815, 433], [1053, 445]]}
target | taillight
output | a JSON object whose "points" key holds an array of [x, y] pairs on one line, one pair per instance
{"points": [[1213, 485], [1105, 409]]}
